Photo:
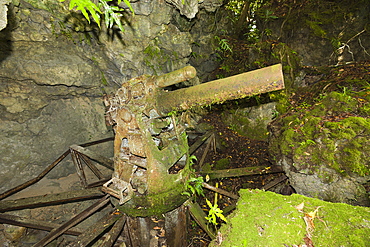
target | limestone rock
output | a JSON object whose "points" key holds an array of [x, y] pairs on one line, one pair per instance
{"points": [[188, 8], [34, 61], [29, 147], [211, 5], [251, 121], [3, 13]]}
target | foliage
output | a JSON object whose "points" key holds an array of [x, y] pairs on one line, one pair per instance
{"points": [[111, 11], [83, 5], [246, 14], [214, 211], [335, 22], [112, 15], [194, 184], [223, 45]]}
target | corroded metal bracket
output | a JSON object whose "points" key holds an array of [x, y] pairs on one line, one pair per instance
{"points": [[123, 190]]}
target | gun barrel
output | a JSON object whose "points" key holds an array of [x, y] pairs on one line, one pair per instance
{"points": [[235, 87]]}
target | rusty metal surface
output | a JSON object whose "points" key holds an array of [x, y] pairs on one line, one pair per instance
{"points": [[34, 224], [52, 199], [239, 86], [146, 145], [239, 172]]}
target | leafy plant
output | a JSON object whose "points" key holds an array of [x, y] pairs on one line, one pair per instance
{"points": [[268, 15], [84, 6], [223, 44], [214, 211], [111, 12], [194, 185]]}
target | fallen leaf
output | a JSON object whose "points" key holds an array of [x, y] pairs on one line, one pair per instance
{"points": [[300, 207]]}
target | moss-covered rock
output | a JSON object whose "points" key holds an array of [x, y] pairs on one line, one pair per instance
{"points": [[269, 219], [251, 121], [324, 147]]}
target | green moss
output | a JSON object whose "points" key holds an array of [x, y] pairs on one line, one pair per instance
{"points": [[222, 164], [365, 109], [339, 102], [287, 145], [239, 122], [312, 140], [155, 204], [268, 219], [282, 101], [50, 5]]}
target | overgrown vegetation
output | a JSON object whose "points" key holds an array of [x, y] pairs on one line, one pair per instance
{"points": [[328, 124]]}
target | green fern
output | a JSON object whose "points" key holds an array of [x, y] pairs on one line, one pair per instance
{"points": [[112, 13], [84, 6]]}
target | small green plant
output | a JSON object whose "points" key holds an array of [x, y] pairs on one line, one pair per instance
{"points": [[225, 68], [223, 45], [220, 76], [305, 105], [268, 15], [275, 114], [111, 12], [192, 160], [214, 211], [195, 186], [174, 113], [307, 143], [233, 127]]}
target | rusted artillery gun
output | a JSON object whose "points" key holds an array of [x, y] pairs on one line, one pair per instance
{"points": [[149, 140]]}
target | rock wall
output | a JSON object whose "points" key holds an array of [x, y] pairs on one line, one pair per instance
{"points": [[321, 32], [55, 69]]}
